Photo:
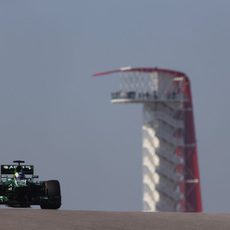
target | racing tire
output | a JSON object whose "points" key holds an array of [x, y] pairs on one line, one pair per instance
{"points": [[53, 195]]}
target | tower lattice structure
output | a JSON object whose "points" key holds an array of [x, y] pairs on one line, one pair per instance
{"points": [[171, 180]]}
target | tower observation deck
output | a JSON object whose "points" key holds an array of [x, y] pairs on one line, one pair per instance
{"points": [[171, 180]]}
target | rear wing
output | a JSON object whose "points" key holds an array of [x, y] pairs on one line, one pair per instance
{"points": [[10, 169]]}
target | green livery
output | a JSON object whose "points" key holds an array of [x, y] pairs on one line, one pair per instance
{"points": [[19, 188]]}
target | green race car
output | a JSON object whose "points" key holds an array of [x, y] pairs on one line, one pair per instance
{"points": [[19, 188]]}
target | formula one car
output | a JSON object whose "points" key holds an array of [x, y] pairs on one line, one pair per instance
{"points": [[19, 188]]}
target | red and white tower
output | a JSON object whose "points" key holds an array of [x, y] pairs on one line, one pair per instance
{"points": [[171, 180]]}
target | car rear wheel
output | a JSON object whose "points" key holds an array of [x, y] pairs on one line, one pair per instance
{"points": [[52, 199]]}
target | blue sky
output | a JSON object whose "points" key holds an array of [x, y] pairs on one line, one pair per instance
{"points": [[56, 116]]}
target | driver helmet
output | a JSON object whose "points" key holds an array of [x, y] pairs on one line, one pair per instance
{"points": [[19, 174]]}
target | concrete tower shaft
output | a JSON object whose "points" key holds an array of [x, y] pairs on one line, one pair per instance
{"points": [[171, 179]]}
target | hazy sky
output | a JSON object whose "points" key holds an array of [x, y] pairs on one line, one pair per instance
{"points": [[54, 115]]}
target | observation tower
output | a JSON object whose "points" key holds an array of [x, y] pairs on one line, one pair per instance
{"points": [[171, 180]]}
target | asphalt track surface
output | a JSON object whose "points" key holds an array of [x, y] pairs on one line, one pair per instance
{"points": [[35, 219]]}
